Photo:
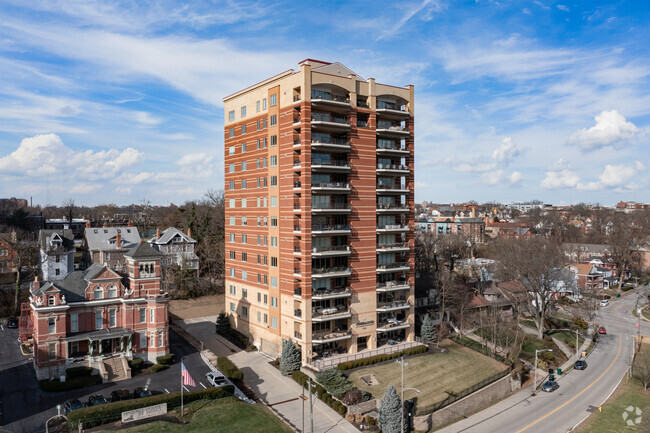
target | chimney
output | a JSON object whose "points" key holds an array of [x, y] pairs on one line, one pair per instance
{"points": [[130, 223], [118, 240], [87, 224], [189, 232], [157, 234], [36, 284], [105, 225]]}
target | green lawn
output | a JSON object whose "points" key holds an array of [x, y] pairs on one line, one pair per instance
{"points": [[611, 418], [432, 374], [221, 416], [569, 338]]}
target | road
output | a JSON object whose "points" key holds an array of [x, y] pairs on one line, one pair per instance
{"points": [[25, 408], [580, 392]]}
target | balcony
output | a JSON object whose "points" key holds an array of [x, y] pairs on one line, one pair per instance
{"points": [[394, 247], [296, 143], [392, 286], [392, 306], [326, 99], [392, 111], [392, 129], [297, 313], [393, 267], [297, 251], [332, 187], [333, 313], [338, 166], [332, 145], [395, 149], [331, 272], [297, 164], [393, 168], [297, 272], [331, 251], [341, 292], [330, 336], [296, 229], [392, 208], [331, 230], [391, 189], [331, 208], [326, 122], [392, 325], [296, 122], [297, 335], [297, 185], [296, 207], [297, 291], [392, 228]]}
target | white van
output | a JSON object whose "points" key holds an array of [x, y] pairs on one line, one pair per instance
{"points": [[604, 302]]}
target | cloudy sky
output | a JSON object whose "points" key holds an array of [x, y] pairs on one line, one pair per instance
{"points": [[119, 102]]}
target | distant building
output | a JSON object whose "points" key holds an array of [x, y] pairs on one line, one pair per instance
{"points": [[471, 228], [107, 245], [77, 225], [177, 248], [7, 258], [56, 253], [90, 318]]}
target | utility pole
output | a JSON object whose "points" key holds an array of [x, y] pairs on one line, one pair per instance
{"points": [[535, 371], [302, 397], [311, 408]]}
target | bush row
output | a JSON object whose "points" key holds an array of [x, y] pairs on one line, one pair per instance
{"points": [[349, 365], [104, 413], [159, 367], [626, 288], [74, 383], [166, 360], [322, 394], [229, 369], [73, 372]]}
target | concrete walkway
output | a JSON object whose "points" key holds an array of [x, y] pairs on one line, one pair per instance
{"points": [[281, 393]]}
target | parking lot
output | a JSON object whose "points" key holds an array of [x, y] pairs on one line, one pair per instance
{"points": [[25, 408]]}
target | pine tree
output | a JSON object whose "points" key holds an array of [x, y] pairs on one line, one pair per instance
{"points": [[290, 359], [428, 330], [222, 323], [390, 411]]}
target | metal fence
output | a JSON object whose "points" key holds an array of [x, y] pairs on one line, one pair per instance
{"points": [[324, 364]]}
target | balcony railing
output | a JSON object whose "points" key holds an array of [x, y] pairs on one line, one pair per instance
{"points": [[331, 335], [392, 246], [296, 271], [322, 293], [333, 140], [362, 123], [394, 305], [296, 227], [392, 227], [296, 164], [391, 126], [297, 250], [390, 106], [392, 187], [395, 265], [344, 164], [393, 147], [394, 323], [297, 184], [297, 291], [296, 120], [362, 104], [326, 96], [317, 117], [401, 167], [297, 334], [330, 206], [331, 248], [330, 228], [331, 270], [296, 142], [392, 206], [331, 185], [394, 284], [331, 312]]}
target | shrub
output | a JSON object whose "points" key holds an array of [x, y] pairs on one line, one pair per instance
{"points": [[159, 367], [75, 383], [626, 288], [222, 323], [370, 420], [73, 372], [342, 409], [136, 364], [334, 382], [548, 356], [290, 359], [166, 360], [299, 377], [581, 323], [229, 369], [104, 413]]}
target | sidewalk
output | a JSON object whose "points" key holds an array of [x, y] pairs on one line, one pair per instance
{"points": [[281, 393]]}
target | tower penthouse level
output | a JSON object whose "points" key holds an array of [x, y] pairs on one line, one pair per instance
{"points": [[319, 189]]}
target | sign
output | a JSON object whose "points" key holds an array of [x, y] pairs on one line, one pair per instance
{"points": [[144, 412], [364, 324]]}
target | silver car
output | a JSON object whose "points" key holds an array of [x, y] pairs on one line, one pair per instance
{"points": [[215, 379]]}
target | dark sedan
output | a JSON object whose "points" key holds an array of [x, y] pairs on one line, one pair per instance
{"points": [[141, 392], [550, 386], [12, 322], [94, 400], [580, 364], [71, 405], [121, 394]]}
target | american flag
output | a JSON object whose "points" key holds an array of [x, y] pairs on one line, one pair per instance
{"points": [[187, 379]]}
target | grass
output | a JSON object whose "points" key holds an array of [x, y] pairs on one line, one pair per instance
{"points": [[432, 374], [222, 416], [569, 338], [629, 393]]}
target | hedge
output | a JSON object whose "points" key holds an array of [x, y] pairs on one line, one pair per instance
{"points": [[229, 369], [73, 372], [626, 288], [349, 365], [166, 360], [104, 413], [136, 364], [235, 337], [75, 383], [323, 395], [159, 367]]}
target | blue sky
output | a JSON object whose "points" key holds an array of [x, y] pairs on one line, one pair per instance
{"points": [[119, 102]]}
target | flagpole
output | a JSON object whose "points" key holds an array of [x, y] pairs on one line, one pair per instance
{"points": [[181, 389]]}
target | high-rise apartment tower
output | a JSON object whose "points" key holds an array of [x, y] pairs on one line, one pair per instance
{"points": [[319, 190]]}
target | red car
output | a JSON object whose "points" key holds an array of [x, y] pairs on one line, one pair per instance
{"points": [[602, 330]]}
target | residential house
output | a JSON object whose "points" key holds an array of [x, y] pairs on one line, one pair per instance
{"points": [[91, 318], [56, 253], [77, 225], [517, 293], [177, 248], [107, 245], [587, 276]]}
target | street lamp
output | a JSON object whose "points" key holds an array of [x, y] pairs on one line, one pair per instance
{"points": [[401, 362], [535, 373]]}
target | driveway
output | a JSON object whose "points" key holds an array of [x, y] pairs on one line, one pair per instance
{"points": [[25, 407], [280, 392]]}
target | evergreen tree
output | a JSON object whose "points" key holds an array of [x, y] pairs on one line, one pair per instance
{"points": [[290, 359], [428, 330], [222, 323], [390, 411]]}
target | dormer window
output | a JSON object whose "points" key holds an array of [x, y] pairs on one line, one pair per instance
{"points": [[105, 231], [99, 293], [112, 291], [95, 231], [50, 300]]}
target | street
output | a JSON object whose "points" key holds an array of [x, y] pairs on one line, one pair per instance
{"points": [[25, 408]]}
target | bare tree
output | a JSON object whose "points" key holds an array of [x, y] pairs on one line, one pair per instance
{"points": [[69, 208], [425, 253], [626, 238], [641, 368], [25, 260]]}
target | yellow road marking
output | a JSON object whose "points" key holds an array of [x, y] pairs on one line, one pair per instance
{"points": [[620, 344], [617, 307]]}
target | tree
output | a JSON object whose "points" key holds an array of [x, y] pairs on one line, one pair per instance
{"points": [[25, 260], [390, 411], [290, 359], [536, 263], [334, 382], [428, 330], [641, 368], [222, 323], [69, 207], [626, 238]]}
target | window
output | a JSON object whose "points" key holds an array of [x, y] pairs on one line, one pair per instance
{"points": [[258, 125], [232, 255], [111, 318], [244, 275], [274, 120], [151, 315], [244, 257], [243, 166], [274, 241], [259, 163], [143, 315], [243, 148], [231, 133], [160, 339], [265, 243], [231, 185], [58, 271], [243, 184], [274, 140], [231, 115], [259, 184], [231, 150], [232, 220], [233, 290], [274, 322], [51, 299], [264, 104], [264, 200], [244, 220], [243, 129], [274, 160], [232, 307], [274, 221], [274, 263], [266, 299], [257, 106], [244, 311], [264, 121], [57, 259], [51, 351], [232, 237], [259, 297], [259, 278], [143, 338], [266, 318], [233, 272], [273, 100], [259, 316], [99, 293], [259, 221], [112, 291], [244, 239], [274, 300], [244, 293], [74, 322], [258, 144], [51, 325], [98, 319], [231, 168], [259, 258], [274, 201], [243, 111], [266, 220], [153, 339], [259, 239]]}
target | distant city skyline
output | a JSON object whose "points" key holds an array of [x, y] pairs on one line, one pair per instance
{"points": [[109, 102]]}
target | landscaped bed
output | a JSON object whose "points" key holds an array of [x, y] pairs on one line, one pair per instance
{"points": [[433, 374]]}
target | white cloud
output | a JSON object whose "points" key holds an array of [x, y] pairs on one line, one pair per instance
{"points": [[500, 158], [492, 177], [565, 178], [515, 177], [616, 175], [146, 118], [84, 188], [563, 8], [505, 152], [611, 128], [613, 176], [192, 159]]}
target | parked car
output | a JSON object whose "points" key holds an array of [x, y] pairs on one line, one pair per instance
{"points": [[602, 330], [121, 394], [71, 405], [580, 364], [95, 400], [141, 392], [216, 379], [550, 386], [604, 302], [12, 322]]}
